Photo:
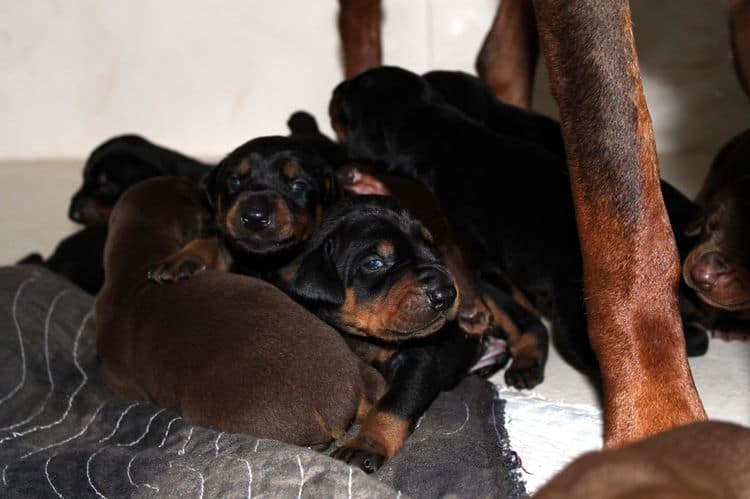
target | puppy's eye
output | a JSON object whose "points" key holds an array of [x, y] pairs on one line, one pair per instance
{"points": [[298, 186], [373, 264], [233, 182]]}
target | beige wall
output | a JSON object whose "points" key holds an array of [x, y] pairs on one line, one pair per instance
{"points": [[204, 77]]}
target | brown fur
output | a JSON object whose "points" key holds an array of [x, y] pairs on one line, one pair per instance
{"points": [[382, 432], [359, 28], [701, 461], [223, 350], [630, 260], [507, 60]]}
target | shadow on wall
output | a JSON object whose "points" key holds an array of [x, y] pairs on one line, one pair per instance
{"points": [[695, 99]]}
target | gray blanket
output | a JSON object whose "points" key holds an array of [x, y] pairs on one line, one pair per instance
{"points": [[64, 434]]}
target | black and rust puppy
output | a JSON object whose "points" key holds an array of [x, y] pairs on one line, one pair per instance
{"points": [[267, 197], [507, 198], [225, 351], [718, 268], [476, 99], [117, 164], [372, 271]]}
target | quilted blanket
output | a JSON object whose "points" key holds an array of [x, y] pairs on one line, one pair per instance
{"points": [[64, 434]]}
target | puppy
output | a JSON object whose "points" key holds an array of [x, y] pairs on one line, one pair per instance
{"points": [[119, 163], [508, 199], [78, 258], [267, 197], [475, 99], [490, 305], [223, 350], [373, 272], [718, 267]]}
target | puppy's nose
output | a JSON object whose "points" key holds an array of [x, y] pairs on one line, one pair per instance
{"points": [[255, 218], [708, 269], [75, 212], [438, 288]]}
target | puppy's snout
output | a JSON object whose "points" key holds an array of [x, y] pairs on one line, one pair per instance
{"points": [[708, 269], [438, 287]]}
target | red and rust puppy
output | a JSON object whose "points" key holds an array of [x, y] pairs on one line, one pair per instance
{"points": [[718, 268], [223, 350], [373, 272], [267, 197]]}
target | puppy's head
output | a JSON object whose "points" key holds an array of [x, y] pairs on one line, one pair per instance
{"points": [[718, 267], [365, 108], [269, 194], [372, 270], [110, 170]]}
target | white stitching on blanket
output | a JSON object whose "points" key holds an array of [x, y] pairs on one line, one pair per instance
{"points": [[5, 468], [301, 477], [166, 433], [398, 496], [145, 432], [190, 435], [249, 473], [88, 473], [216, 444], [349, 487], [464, 423], [119, 420], [494, 424], [203, 480], [72, 395], [257, 443], [49, 480], [73, 437], [46, 358], [20, 341], [130, 476]]}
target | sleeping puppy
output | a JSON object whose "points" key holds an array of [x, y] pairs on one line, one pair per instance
{"points": [[508, 199], [225, 351], [119, 163], [373, 272], [266, 197], [475, 98], [718, 268]]}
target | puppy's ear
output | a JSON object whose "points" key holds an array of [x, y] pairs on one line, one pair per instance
{"points": [[317, 282], [209, 186]]}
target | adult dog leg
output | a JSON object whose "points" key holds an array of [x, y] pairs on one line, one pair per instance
{"points": [[507, 60], [359, 29], [630, 263]]}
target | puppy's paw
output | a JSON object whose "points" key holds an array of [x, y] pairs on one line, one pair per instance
{"points": [[731, 334], [524, 374], [364, 456], [474, 317], [176, 268]]}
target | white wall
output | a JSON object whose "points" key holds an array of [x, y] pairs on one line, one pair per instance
{"points": [[204, 77]]}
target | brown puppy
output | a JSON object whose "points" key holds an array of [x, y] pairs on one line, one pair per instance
{"points": [[702, 460], [718, 267], [226, 351]]}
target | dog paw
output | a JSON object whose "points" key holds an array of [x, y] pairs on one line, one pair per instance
{"points": [[474, 317], [524, 375], [731, 334], [175, 269], [364, 457]]}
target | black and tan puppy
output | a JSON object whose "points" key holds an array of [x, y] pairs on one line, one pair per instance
{"points": [[225, 351], [117, 164], [267, 197], [507, 198], [475, 98], [718, 268], [373, 271]]}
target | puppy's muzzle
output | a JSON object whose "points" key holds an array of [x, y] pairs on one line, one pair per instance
{"points": [[438, 287]]}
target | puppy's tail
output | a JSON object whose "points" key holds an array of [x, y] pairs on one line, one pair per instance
{"points": [[302, 122]]}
